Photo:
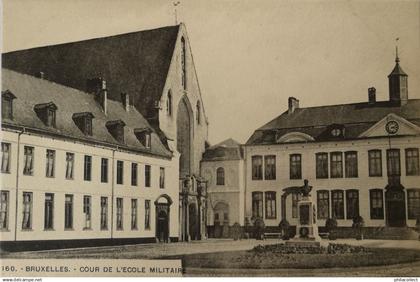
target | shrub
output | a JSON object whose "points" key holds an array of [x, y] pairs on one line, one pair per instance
{"points": [[236, 231], [284, 227], [259, 227], [331, 225]]}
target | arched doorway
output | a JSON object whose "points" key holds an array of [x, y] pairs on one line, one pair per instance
{"points": [[193, 221], [162, 205], [184, 136], [221, 220]]}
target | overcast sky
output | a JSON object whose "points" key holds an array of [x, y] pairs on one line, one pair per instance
{"points": [[250, 56]]}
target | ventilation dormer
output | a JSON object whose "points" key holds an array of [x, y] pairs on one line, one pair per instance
{"points": [[144, 135], [116, 128], [46, 113], [84, 122], [7, 98]]}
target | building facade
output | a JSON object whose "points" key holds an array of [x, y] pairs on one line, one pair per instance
{"points": [[152, 70]]}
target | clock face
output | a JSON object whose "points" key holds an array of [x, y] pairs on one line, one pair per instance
{"points": [[392, 127]]}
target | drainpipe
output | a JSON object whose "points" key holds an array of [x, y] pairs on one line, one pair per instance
{"points": [[112, 192], [17, 180]]}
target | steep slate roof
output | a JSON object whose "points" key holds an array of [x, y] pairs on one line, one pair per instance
{"points": [[226, 150], [315, 121], [30, 91], [136, 63]]}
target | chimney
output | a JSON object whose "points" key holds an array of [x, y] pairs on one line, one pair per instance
{"points": [[125, 100], [293, 105], [372, 95], [97, 86]]}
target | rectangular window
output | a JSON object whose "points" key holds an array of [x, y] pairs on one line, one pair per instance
{"points": [[147, 214], [351, 164], [27, 211], [323, 204], [50, 163], [119, 213], [296, 197], [49, 211], [87, 174], [69, 165], [257, 168], [87, 211], [120, 172], [134, 174], [162, 178], [412, 161], [51, 117], [133, 214], [352, 203], [104, 213], [393, 162], [321, 165], [5, 157], [4, 210], [7, 107], [270, 205], [68, 212], [296, 166], [337, 203], [147, 174], [270, 167], [28, 168], [413, 203], [336, 165], [257, 204], [376, 204], [104, 170], [375, 163]]}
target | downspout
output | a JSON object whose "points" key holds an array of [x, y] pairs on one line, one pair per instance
{"points": [[245, 181], [112, 193], [17, 181]]}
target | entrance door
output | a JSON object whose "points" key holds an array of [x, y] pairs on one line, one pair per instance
{"points": [[193, 223], [395, 208]]}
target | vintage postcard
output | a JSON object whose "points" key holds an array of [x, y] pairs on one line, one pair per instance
{"points": [[210, 138]]}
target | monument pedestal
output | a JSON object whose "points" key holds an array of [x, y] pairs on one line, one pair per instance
{"points": [[306, 229]]}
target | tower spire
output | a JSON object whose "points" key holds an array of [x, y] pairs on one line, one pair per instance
{"points": [[397, 59]]}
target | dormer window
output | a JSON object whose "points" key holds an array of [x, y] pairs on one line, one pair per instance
{"points": [[84, 122], [144, 135], [47, 113], [116, 128], [7, 104], [337, 130]]}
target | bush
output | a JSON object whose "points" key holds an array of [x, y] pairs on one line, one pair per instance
{"points": [[331, 225], [284, 227], [236, 231], [358, 224], [259, 227]]}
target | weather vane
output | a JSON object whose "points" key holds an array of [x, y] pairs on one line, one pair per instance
{"points": [[175, 11], [396, 50]]}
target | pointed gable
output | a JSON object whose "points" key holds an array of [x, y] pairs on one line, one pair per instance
{"points": [[391, 125]]}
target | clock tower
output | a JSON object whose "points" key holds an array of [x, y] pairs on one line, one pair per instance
{"points": [[398, 89]]}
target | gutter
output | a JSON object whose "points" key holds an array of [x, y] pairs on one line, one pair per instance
{"points": [[17, 180]]}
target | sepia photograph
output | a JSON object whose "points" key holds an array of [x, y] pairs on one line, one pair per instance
{"points": [[239, 138]]}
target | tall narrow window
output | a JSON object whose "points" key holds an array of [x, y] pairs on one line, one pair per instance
{"points": [[169, 103], [352, 203], [220, 176], [321, 165], [336, 165], [5, 157], [296, 197], [351, 164], [28, 168], [412, 161], [295, 166], [270, 205], [376, 204], [49, 211], [51, 117], [323, 204], [257, 168], [162, 178], [27, 211], [119, 213], [104, 170], [147, 175], [375, 163], [87, 211], [147, 214], [4, 210], [183, 64], [393, 162], [69, 165], [120, 172], [134, 173], [413, 203], [198, 113], [148, 140], [68, 212], [270, 167], [7, 105], [87, 174], [133, 214], [337, 203], [50, 163], [104, 213], [257, 204]]}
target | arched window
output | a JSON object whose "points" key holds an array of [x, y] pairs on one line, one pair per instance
{"points": [[198, 113], [183, 64], [169, 103], [220, 176]]}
